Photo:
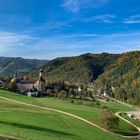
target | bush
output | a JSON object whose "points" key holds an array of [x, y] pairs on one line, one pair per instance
{"points": [[104, 107], [97, 103], [12, 86], [72, 101], [133, 128], [62, 95], [110, 121]]}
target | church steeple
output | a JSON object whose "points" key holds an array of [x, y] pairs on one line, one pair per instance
{"points": [[15, 78], [40, 84], [16, 75], [41, 77], [41, 73]]}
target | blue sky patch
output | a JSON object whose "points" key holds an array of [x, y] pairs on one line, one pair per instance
{"points": [[47, 29]]}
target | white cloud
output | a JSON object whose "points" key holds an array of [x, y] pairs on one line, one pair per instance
{"points": [[9, 41], [75, 44], [76, 5], [49, 47], [132, 19], [106, 18], [72, 5]]}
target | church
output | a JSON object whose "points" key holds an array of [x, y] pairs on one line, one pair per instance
{"points": [[30, 87]]}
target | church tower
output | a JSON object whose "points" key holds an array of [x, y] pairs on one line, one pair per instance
{"points": [[40, 83], [15, 78]]}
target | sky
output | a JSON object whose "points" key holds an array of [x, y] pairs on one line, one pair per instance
{"points": [[47, 29]]}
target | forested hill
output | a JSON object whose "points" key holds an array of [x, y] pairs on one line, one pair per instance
{"points": [[10, 65], [117, 74], [122, 79], [104, 68], [84, 68]]}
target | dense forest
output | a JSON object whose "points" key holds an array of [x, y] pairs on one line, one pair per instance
{"points": [[81, 69], [122, 79]]}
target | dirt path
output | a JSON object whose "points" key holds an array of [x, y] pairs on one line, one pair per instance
{"points": [[130, 106], [5, 137], [66, 113], [117, 114]]}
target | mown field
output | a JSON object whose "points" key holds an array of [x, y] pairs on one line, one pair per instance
{"points": [[36, 124]]}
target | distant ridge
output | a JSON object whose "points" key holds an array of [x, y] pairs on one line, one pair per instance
{"points": [[10, 65]]}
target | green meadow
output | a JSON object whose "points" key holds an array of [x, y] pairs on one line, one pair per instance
{"points": [[136, 122], [31, 123]]}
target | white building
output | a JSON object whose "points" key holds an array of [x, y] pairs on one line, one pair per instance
{"points": [[35, 94], [105, 94], [79, 89]]}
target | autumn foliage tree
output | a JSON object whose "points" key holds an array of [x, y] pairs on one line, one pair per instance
{"points": [[12, 86]]}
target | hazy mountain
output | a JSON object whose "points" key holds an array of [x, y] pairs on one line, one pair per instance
{"points": [[9, 65]]}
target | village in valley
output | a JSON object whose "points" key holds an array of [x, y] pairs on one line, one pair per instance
{"points": [[101, 103], [38, 88], [69, 69]]}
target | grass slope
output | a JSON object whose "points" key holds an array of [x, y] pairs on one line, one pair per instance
{"points": [[28, 116], [33, 124], [136, 122]]}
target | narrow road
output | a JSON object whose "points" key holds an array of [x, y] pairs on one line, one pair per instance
{"points": [[128, 105], [66, 113]]}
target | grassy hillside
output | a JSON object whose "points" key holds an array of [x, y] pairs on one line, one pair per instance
{"points": [[28, 121], [8, 66]]}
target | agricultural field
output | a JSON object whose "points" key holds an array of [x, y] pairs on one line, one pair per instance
{"points": [[31, 123]]}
